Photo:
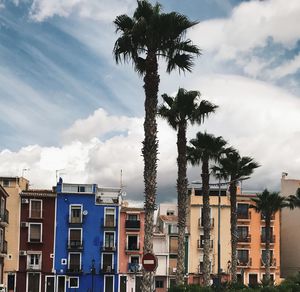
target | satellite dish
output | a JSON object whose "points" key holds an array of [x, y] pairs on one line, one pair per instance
{"points": [[85, 212]]}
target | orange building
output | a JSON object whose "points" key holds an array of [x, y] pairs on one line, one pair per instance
{"points": [[251, 243], [131, 244]]}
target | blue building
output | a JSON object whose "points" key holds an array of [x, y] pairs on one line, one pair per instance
{"points": [[86, 238]]}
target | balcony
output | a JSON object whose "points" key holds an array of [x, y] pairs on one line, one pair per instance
{"points": [[33, 267], [134, 268], [200, 244], [107, 269], [244, 239], [272, 263], [4, 218], [245, 216], [75, 221], [132, 248], [75, 245], [74, 270], [244, 263], [108, 248], [132, 224], [200, 223], [3, 248], [263, 239]]}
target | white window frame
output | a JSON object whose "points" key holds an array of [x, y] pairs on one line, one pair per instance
{"points": [[29, 229], [69, 282], [105, 210], [81, 210], [56, 281], [29, 254], [138, 240], [69, 233], [40, 277], [104, 283], [113, 259], [243, 249], [80, 258], [46, 277], [114, 246], [30, 216]]}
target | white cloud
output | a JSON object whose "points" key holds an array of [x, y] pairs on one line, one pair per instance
{"points": [[105, 10], [249, 26], [258, 119]]}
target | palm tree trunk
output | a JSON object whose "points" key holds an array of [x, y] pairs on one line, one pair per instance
{"points": [[182, 201], [206, 222], [233, 222], [268, 239], [150, 145]]}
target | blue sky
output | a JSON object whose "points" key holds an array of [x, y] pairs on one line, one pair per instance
{"points": [[62, 94]]}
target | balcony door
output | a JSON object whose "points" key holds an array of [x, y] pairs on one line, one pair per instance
{"points": [[33, 282]]}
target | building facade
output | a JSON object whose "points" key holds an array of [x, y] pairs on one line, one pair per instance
{"points": [[37, 226], [13, 186], [195, 227], [252, 242], [131, 244], [290, 222], [86, 238], [3, 225]]}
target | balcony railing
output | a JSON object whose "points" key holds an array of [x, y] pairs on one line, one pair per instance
{"points": [[200, 244], [244, 239], [244, 263], [132, 247], [272, 263], [132, 224], [75, 220], [263, 239], [74, 270], [134, 268], [4, 217], [108, 248], [33, 267], [75, 244], [3, 247], [200, 223], [244, 216], [107, 269]]}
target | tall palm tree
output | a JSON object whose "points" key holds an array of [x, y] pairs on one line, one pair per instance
{"points": [[234, 168], [205, 147], [268, 204], [180, 110], [145, 37], [294, 200]]}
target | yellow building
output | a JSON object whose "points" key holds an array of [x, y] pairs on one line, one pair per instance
{"points": [[195, 229], [251, 243], [13, 186]]}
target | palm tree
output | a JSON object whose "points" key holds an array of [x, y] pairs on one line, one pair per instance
{"points": [[294, 200], [234, 168], [268, 204], [179, 111], [145, 37], [205, 147]]}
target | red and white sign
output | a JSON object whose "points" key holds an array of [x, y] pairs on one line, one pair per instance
{"points": [[149, 262]]}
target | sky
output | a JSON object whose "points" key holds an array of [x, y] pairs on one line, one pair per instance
{"points": [[68, 110]]}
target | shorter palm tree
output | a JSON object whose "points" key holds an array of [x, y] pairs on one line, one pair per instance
{"points": [[180, 110], [268, 204], [294, 200]]}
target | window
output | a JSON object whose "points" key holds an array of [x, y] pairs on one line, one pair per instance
{"points": [[5, 183], [34, 261], [109, 217], [35, 232], [35, 209], [242, 232], [263, 235], [264, 256], [74, 262], [109, 240], [173, 228], [243, 211], [73, 282], [33, 280], [109, 283], [243, 256], [271, 277], [159, 284], [107, 262], [132, 217], [132, 242], [75, 214], [75, 237], [134, 259]]}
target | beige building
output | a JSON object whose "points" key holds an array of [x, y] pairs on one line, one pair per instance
{"points": [[13, 186], [195, 228], [290, 226]]}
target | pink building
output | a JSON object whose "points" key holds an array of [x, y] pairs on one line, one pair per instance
{"points": [[131, 244]]}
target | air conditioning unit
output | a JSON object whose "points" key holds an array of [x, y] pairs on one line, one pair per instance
{"points": [[51, 255], [23, 252], [24, 224], [25, 201]]}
